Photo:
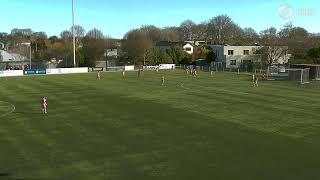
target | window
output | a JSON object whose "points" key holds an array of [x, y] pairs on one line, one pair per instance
{"points": [[230, 52], [233, 62], [188, 49], [245, 52]]}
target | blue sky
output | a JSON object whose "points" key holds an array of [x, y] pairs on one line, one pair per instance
{"points": [[116, 17]]}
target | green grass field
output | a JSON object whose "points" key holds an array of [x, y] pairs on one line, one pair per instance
{"points": [[201, 128]]}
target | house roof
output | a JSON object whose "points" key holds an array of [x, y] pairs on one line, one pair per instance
{"points": [[163, 43], [310, 65], [169, 44]]}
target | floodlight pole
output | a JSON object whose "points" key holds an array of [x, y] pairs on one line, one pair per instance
{"points": [[30, 55], [73, 34]]}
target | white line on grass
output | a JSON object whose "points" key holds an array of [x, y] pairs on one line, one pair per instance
{"points": [[13, 108]]}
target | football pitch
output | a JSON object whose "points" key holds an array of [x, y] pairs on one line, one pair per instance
{"points": [[204, 128]]}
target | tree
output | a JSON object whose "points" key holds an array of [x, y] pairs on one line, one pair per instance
{"points": [[179, 55], [222, 30], [170, 34], [286, 30], [81, 59], [274, 54], [79, 34], [95, 34], [314, 55], [93, 50], [4, 37], [66, 35], [269, 36], [250, 36], [158, 56], [137, 44], [210, 56], [79, 31], [53, 39], [152, 32], [186, 30], [201, 31], [38, 40]]}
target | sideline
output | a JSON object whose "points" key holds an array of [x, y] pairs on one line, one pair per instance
{"points": [[13, 108]]}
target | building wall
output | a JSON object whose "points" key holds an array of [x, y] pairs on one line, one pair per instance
{"points": [[219, 52], [240, 59], [239, 50], [240, 55]]}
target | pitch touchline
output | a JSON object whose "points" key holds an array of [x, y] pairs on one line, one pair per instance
{"points": [[13, 108]]}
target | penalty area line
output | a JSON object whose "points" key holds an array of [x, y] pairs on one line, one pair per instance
{"points": [[13, 108]]}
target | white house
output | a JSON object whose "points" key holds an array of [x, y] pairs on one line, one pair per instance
{"points": [[188, 48], [112, 52], [234, 56]]}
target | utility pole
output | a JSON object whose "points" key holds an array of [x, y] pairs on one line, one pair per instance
{"points": [[74, 38], [30, 55]]}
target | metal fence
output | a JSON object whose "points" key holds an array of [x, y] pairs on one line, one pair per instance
{"points": [[221, 67]]}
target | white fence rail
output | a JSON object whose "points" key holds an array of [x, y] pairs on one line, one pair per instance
{"points": [[8, 73]]}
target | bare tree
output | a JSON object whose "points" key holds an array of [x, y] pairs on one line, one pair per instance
{"points": [[187, 29], [170, 34], [152, 32], [269, 36], [79, 34], [221, 29], [95, 34], [79, 31], [138, 44], [274, 54], [66, 35]]}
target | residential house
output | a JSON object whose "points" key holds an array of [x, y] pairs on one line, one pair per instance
{"points": [[188, 48], [235, 56], [197, 43], [165, 44], [113, 52]]}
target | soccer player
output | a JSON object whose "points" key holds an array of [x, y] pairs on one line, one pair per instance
{"points": [[162, 81], [98, 75], [254, 80], [194, 72], [44, 105], [123, 74]]}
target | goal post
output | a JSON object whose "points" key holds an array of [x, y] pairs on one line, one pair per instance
{"points": [[299, 75]]}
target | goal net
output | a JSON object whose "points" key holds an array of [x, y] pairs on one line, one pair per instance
{"points": [[299, 75], [277, 73]]}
